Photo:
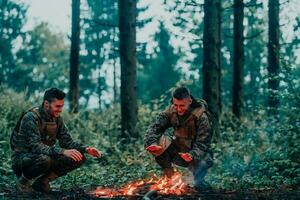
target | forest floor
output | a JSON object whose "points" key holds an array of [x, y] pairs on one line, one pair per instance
{"points": [[85, 194]]}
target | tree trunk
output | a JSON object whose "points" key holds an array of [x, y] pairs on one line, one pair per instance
{"points": [[3, 5], [127, 27], [273, 56], [99, 91], [115, 80], [238, 58], [115, 89], [211, 60], [74, 57]]}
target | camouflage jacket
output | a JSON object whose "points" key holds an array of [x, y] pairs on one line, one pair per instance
{"points": [[199, 135], [37, 132]]}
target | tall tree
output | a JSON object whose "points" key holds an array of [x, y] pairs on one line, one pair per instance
{"points": [[188, 21], [44, 54], [211, 59], [159, 72], [238, 58], [99, 25], [273, 56], [254, 56], [74, 56], [127, 31]]}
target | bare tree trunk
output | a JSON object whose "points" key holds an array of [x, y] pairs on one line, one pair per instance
{"points": [[127, 27], [74, 57], [115, 80], [99, 86], [211, 60], [115, 72], [253, 76], [273, 56], [238, 58], [3, 5]]}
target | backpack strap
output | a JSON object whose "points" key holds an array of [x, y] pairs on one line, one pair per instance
{"points": [[41, 121], [171, 112], [37, 114], [195, 116], [197, 112]]}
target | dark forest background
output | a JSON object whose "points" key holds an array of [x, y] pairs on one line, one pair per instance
{"points": [[238, 55]]}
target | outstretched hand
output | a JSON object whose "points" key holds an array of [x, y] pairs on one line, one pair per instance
{"points": [[93, 152], [155, 149], [186, 156]]}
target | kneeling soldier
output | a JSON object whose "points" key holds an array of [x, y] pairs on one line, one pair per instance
{"points": [[34, 154], [189, 146]]}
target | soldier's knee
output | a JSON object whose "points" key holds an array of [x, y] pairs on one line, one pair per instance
{"points": [[44, 161], [17, 170], [71, 162], [207, 162]]}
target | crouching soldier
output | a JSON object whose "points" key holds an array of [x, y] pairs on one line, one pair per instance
{"points": [[34, 154], [189, 146]]}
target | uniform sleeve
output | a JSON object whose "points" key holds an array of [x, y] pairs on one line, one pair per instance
{"points": [[156, 130], [65, 140], [31, 137], [202, 139]]}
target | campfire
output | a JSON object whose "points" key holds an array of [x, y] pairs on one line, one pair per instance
{"points": [[160, 185]]}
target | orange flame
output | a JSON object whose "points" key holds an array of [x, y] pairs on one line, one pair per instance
{"points": [[171, 186]]}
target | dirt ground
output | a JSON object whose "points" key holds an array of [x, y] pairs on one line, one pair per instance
{"points": [[78, 193]]}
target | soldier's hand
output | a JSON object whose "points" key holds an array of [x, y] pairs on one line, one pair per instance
{"points": [[94, 152], [73, 153], [186, 156], [155, 149]]}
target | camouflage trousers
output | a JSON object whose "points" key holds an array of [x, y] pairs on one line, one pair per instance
{"points": [[199, 168], [34, 165]]}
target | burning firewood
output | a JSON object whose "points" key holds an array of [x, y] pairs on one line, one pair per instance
{"points": [[150, 187]]}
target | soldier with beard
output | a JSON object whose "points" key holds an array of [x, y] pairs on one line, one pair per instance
{"points": [[35, 157]]}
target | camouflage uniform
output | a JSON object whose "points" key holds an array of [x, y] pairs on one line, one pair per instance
{"points": [[192, 134], [33, 145]]}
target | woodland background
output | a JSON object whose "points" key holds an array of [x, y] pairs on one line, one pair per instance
{"points": [[240, 56]]}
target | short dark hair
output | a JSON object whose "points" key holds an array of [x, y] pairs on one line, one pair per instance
{"points": [[181, 93], [53, 93]]}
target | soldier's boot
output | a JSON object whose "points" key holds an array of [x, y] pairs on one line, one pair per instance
{"points": [[200, 184], [203, 186], [42, 184], [168, 172], [23, 185]]}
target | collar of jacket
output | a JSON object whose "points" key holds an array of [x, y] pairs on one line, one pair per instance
{"points": [[45, 115]]}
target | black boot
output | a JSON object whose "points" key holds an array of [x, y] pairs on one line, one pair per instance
{"points": [[23, 185], [203, 186], [42, 183]]}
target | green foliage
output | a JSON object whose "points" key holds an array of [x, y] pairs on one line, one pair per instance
{"points": [[158, 73], [100, 44], [45, 54], [257, 152], [92, 128], [11, 105], [261, 152], [12, 19]]}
